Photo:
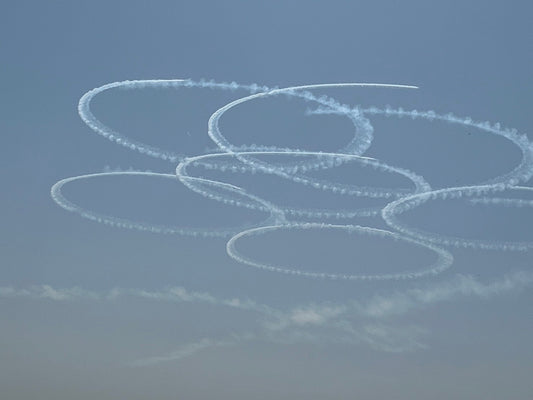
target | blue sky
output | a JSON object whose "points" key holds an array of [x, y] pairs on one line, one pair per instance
{"points": [[92, 311]]}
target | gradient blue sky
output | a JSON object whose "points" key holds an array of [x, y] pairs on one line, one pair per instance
{"points": [[472, 58]]}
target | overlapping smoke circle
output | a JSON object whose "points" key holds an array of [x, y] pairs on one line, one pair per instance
{"points": [[244, 159]]}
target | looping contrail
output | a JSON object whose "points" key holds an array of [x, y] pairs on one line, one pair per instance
{"points": [[259, 204], [444, 261], [251, 159], [345, 320]]}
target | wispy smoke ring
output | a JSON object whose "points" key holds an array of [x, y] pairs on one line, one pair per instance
{"points": [[246, 156]]}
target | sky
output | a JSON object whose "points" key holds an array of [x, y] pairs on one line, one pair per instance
{"points": [[428, 298]]}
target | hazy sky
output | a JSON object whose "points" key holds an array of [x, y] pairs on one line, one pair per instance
{"points": [[92, 311]]}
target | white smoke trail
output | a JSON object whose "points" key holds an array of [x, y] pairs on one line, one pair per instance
{"points": [[522, 173], [307, 322], [97, 126], [57, 196], [420, 184], [360, 143], [444, 258], [509, 202], [393, 209], [356, 147]]}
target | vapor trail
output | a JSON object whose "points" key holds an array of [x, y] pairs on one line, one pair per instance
{"points": [[521, 173], [57, 196], [322, 159], [444, 258], [354, 321], [100, 128], [358, 146]]}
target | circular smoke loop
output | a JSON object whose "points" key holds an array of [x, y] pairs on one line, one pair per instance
{"points": [[251, 159]]}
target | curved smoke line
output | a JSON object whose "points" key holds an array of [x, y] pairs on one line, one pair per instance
{"points": [[244, 158], [444, 258]]}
